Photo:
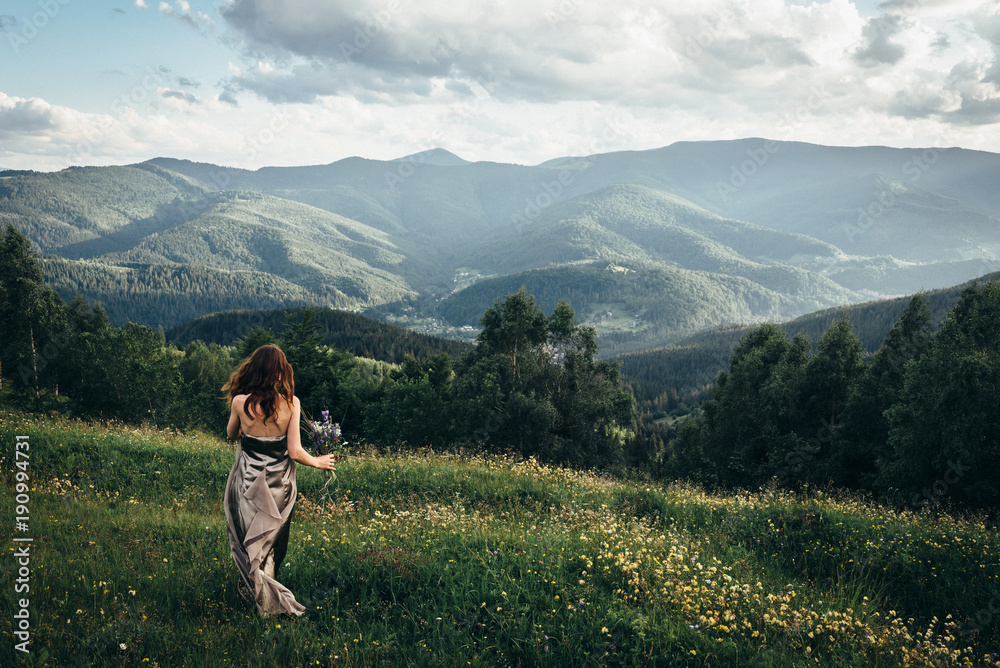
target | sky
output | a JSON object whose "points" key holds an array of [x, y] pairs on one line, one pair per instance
{"points": [[250, 83]]}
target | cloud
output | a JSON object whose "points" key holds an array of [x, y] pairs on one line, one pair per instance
{"points": [[183, 13], [717, 59], [39, 135], [20, 116], [180, 95], [229, 98], [188, 83], [141, 4], [540, 51], [877, 49]]}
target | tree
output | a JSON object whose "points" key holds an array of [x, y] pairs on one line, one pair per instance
{"points": [[128, 375], [864, 431], [532, 385], [203, 371], [414, 407], [753, 409], [830, 378], [31, 314], [254, 339], [944, 431]]}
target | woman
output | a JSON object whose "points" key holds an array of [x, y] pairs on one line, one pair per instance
{"points": [[260, 492]]}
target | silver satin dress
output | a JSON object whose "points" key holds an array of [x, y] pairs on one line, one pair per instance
{"points": [[260, 496]]}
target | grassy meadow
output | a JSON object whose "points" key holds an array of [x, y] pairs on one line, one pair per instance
{"points": [[434, 559]]}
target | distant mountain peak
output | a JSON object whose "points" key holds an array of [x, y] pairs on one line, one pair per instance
{"points": [[434, 156]]}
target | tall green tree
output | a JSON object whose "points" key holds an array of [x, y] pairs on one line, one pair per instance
{"points": [[863, 435], [32, 316], [204, 369], [254, 339], [82, 318], [945, 429], [830, 378], [745, 434], [129, 374], [533, 385]]}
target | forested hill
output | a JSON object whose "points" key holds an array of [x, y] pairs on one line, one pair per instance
{"points": [[677, 373], [343, 330], [172, 294]]}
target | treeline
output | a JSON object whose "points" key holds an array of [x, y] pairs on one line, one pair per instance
{"points": [[532, 385], [353, 333], [915, 423]]}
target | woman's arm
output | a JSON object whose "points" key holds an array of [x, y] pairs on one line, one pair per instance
{"points": [[233, 428], [295, 449]]}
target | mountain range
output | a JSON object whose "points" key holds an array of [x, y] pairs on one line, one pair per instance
{"points": [[649, 246]]}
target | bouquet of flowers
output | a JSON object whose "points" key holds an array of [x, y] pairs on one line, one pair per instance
{"points": [[324, 439]]}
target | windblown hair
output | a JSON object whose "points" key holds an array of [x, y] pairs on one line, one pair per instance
{"points": [[265, 376]]}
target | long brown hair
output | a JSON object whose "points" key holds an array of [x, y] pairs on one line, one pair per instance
{"points": [[265, 376]]}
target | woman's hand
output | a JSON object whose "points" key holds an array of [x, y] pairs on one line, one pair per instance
{"points": [[325, 462]]}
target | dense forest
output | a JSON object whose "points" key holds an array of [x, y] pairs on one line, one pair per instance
{"points": [[915, 422], [162, 242], [169, 295]]}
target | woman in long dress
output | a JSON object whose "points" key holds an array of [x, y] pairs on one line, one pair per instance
{"points": [[261, 491]]}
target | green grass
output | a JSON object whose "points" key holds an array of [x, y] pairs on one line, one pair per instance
{"points": [[456, 560]]}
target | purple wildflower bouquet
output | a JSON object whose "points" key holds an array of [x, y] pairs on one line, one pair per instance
{"points": [[324, 439]]}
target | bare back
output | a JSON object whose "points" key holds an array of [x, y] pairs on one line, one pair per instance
{"points": [[277, 425]]}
